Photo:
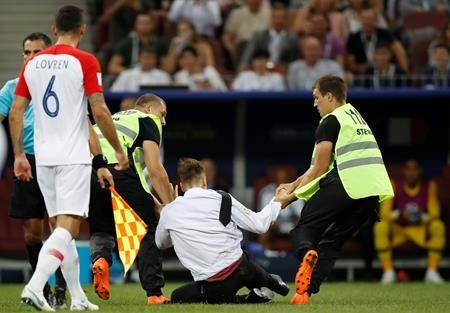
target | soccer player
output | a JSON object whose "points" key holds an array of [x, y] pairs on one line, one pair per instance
{"points": [[27, 201], [412, 215], [60, 80], [342, 188], [140, 134], [204, 227]]}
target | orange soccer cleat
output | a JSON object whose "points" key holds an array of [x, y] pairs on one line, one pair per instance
{"points": [[303, 277], [100, 271], [157, 300], [300, 299]]}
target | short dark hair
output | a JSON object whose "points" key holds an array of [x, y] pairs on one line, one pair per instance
{"points": [[69, 18], [190, 170], [278, 5], [148, 99], [260, 53], [37, 36], [189, 49], [382, 45], [148, 49], [442, 46], [332, 84]]}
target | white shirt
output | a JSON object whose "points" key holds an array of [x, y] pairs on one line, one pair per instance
{"points": [[208, 74], [58, 80], [302, 76], [276, 40], [133, 79], [203, 245], [249, 80], [205, 16]]}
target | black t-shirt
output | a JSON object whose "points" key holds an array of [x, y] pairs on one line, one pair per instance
{"points": [[147, 131], [356, 45], [328, 130]]}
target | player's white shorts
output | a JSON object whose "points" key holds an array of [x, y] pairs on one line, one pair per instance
{"points": [[66, 188]]}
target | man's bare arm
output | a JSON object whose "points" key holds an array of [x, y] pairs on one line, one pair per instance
{"points": [[156, 171], [104, 121], [16, 123]]}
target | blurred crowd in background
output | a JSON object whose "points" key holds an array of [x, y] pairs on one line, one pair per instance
{"points": [[271, 45]]}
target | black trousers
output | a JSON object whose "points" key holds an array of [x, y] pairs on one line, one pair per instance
{"points": [[247, 274], [102, 227], [329, 219]]}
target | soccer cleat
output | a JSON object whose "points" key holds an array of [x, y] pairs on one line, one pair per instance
{"points": [[260, 295], [35, 300], [157, 300], [389, 277], [83, 305], [280, 286], [433, 276], [300, 298], [100, 271], [60, 301], [303, 276]]}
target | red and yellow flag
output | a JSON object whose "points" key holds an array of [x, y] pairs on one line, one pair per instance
{"points": [[130, 230]]}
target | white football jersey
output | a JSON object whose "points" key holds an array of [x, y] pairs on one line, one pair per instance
{"points": [[59, 79]]}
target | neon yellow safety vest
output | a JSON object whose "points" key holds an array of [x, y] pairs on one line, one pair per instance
{"points": [[358, 160], [127, 127]]}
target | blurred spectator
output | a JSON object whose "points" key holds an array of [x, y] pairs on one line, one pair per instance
{"points": [[303, 73], [213, 181], [196, 76], [352, 12], [127, 51], [383, 73], [442, 38], [438, 75], [120, 15], [281, 44], [413, 215], [326, 7], [145, 73], [242, 24], [361, 45], [288, 217], [259, 77], [332, 47], [204, 14], [297, 4], [127, 103], [187, 36]]}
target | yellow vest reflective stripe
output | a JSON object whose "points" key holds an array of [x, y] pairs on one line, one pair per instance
{"points": [[359, 161], [127, 127]]}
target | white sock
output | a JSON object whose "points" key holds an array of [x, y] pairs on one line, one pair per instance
{"points": [[50, 257], [70, 268]]}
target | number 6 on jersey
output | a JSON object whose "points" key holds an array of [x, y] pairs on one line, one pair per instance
{"points": [[49, 93]]}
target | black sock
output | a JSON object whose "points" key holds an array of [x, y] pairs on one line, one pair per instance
{"points": [[60, 282], [33, 254]]}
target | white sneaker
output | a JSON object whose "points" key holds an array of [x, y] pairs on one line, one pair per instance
{"points": [[35, 300], [389, 277], [432, 276], [83, 305]]}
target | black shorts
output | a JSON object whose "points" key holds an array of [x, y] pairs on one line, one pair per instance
{"points": [[129, 187], [27, 200]]}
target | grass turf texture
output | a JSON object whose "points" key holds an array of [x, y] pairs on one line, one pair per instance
{"points": [[334, 297]]}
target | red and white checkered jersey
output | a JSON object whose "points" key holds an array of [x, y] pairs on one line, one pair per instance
{"points": [[59, 79]]}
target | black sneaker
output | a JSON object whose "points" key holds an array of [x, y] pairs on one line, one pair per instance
{"points": [[278, 285], [60, 299]]}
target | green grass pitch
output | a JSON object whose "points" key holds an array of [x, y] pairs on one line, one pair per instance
{"points": [[334, 298]]}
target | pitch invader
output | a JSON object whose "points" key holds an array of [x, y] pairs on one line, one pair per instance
{"points": [[63, 165]]}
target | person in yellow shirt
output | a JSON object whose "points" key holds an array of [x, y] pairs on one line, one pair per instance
{"points": [[412, 215]]}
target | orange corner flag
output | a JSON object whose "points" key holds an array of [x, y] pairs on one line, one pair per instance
{"points": [[130, 230]]}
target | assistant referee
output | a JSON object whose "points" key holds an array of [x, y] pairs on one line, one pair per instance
{"points": [[343, 186]]}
